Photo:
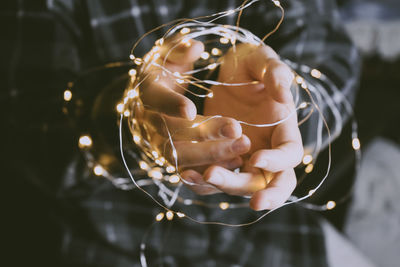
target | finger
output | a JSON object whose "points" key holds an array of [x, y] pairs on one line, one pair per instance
{"points": [[276, 193], [286, 148], [234, 183], [264, 65], [181, 53], [203, 153], [201, 187], [159, 97], [230, 164]]}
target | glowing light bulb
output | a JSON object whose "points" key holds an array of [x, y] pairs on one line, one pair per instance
{"points": [[303, 105], [205, 55], [155, 173], [330, 204], [212, 66], [159, 162], [307, 159], [194, 125], [169, 215], [277, 3], [186, 42], [132, 57], [120, 107], [67, 95], [127, 113], [309, 168], [303, 85], [85, 141], [154, 153], [98, 170], [160, 216], [356, 143], [180, 214], [156, 56], [138, 61], [215, 51], [185, 30], [224, 40], [132, 72], [316, 73], [180, 81], [170, 169], [143, 165], [210, 95], [224, 205], [136, 139], [132, 93], [174, 179], [299, 80], [194, 142]]}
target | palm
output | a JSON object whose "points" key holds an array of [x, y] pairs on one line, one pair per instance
{"points": [[250, 103]]}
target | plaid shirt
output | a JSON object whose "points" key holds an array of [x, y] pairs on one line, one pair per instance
{"points": [[46, 43]]}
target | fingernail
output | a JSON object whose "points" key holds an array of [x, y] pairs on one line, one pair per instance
{"points": [[215, 179], [227, 131], [239, 146], [261, 164]]}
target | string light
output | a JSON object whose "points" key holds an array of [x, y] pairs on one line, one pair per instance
{"points": [[85, 141], [169, 215], [356, 144], [67, 95], [307, 159], [160, 216], [330, 205], [191, 31], [120, 107], [98, 170]]}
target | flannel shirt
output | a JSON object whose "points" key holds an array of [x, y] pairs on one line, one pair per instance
{"points": [[46, 43]]}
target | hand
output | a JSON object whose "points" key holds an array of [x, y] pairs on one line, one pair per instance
{"points": [[219, 141], [267, 174]]}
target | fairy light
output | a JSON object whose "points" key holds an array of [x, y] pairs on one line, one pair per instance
{"points": [[98, 170], [85, 141], [169, 215], [356, 143], [136, 139], [212, 66], [155, 173], [315, 73], [67, 95], [224, 205], [120, 107], [185, 30], [174, 179], [160, 216], [132, 94], [170, 169], [143, 165], [330, 205], [127, 113], [307, 159], [309, 168], [132, 72], [224, 40], [154, 153], [205, 55], [180, 214], [215, 51], [140, 138]]}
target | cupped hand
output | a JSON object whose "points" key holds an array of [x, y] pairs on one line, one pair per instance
{"points": [[267, 173]]}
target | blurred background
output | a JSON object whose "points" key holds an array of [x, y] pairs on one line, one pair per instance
{"points": [[373, 216]]}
